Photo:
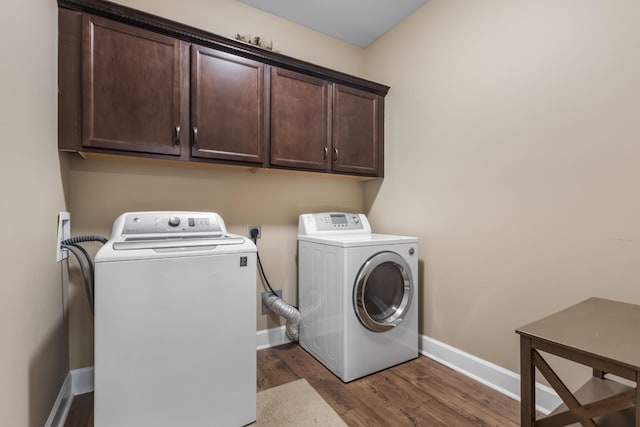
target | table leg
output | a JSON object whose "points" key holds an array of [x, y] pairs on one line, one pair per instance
{"points": [[527, 384], [598, 373], [637, 408]]}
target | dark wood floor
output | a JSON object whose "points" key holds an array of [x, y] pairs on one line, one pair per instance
{"points": [[417, 393]]}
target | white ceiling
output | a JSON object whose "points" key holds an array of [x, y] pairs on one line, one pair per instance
{"points": [[359, 22]]}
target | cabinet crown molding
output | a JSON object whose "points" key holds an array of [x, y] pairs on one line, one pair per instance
{"points": [[187, 33]]}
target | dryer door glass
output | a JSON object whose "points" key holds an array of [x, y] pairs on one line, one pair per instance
{"points": [[382, 292]]}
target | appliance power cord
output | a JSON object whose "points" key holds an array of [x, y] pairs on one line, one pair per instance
{"points": [[72, 245], [277, 304]]}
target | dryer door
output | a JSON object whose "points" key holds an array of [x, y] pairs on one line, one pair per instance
{"points": [[383, 291]]}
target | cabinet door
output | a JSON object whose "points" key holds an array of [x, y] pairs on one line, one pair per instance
{"points": [[357, 131], [131, 88], [299, 120], [227, 106]]}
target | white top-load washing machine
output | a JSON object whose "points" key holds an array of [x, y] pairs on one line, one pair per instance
{"points": [[175, 335], [357, 294]]}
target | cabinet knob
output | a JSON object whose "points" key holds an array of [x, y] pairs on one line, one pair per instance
{"points": [[176, 140], [335, 155], [195, 136], [325, 153]]}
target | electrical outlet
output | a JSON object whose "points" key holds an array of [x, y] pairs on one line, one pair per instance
{"points": [[64, 232], [265, 308], [252, 227]]}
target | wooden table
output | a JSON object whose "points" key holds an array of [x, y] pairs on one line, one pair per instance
{"points": [[599, 333]]}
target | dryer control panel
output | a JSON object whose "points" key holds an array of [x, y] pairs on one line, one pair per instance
{"points": [[333, 222]]}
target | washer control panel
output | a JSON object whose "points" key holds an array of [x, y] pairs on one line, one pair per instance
{"points": [[333, 222], [171, 223]]}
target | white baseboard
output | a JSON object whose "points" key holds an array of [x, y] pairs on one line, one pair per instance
{"points": [[61, 406], [271, 337], [487, 373], [80, 381]]}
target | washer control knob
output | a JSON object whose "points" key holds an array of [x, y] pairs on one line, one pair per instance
{"points": [[174, 221], [356, 220]]}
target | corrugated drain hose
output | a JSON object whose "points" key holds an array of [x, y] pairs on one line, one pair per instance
{"points": [[87, 238]]}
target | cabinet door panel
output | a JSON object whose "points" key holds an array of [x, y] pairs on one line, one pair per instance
{"points": [[357, 131], [299, 119], [227, 106], [131, 88]]}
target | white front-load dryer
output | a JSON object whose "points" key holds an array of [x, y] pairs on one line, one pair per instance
{"points": [[357, 294]]}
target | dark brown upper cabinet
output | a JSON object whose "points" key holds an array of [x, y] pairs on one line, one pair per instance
{"points": [[131, 88], [318, 125], [137, 84], [227, 106], [358, 130], [299, 120]]}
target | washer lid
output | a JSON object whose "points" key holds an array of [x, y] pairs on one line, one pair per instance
{"points": [[174, 241]]}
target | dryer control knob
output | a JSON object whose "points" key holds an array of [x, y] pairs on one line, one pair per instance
{"points": [[356, 219], [174, 221]]}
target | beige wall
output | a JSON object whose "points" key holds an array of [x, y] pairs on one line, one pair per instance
{"points": [[100, 190], [33, 326], [230, 17], [512, 152]]}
